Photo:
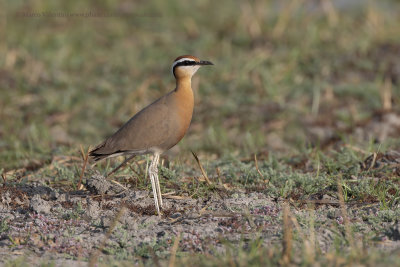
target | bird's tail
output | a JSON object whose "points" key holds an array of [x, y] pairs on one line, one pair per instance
{"points": [[96, 155]]}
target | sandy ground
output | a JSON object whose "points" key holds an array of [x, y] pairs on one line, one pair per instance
{"points": [[43, 223]]}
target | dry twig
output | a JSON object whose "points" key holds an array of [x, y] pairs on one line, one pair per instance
{"points": [[203, 172], [173, 250], [287, 235], [258, 170], [95, 255], [85, 157], [346, 220]]}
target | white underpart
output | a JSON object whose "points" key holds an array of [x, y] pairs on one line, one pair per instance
{"points": [[192, 69]]}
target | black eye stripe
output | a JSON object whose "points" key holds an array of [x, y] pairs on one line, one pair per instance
{"points": [[186, 63]]}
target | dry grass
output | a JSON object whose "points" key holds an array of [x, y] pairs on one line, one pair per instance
{"points": [[304, 86]]}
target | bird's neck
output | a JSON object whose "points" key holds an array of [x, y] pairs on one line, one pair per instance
{"points": [[184, 98], [184, 91], [183, 84]]}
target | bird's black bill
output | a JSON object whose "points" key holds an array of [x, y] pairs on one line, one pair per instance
{"points": [[204, 62]]}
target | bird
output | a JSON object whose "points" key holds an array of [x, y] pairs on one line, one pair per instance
{"points": [[157, 127]]}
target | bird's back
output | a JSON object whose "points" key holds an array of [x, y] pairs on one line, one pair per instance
{"points": [[156, 128]]}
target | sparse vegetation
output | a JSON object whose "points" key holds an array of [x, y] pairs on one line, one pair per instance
{"points": [[301, 110]]}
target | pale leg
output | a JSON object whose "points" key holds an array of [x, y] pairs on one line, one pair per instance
{"points": [[153, 174], [157, 158]]}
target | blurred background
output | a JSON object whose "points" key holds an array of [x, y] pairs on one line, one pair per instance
{"points": [[288, 75]]}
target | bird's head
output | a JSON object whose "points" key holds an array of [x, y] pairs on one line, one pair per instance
{"points": [[186, 66]]}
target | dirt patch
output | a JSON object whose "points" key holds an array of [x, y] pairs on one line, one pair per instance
{"points": [[62, 225], [326, 129]]}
